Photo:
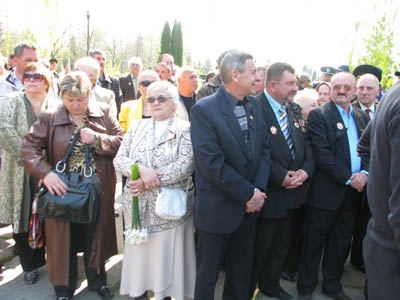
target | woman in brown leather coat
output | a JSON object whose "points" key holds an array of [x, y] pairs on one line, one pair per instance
{"points": [[53, 133]]}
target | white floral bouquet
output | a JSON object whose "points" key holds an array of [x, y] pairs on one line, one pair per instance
{"points": [[136, 234]]}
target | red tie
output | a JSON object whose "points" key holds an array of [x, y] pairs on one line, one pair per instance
{"points": [[367, 112]]}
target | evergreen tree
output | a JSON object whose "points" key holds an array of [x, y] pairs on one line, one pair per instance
{"points": [[177, 43], [166, 39]]}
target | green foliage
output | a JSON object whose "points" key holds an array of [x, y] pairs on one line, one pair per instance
{"points": [[177, 43], [166, 39], [379, 49]]}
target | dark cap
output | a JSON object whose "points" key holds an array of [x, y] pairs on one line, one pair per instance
{"points": [[368, 69], [328, 70], [397, 73], [343, 68]]}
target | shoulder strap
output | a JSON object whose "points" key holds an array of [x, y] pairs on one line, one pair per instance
{"points": [[61, 165]]}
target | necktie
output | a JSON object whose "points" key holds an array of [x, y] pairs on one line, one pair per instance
{"points": [[283, 122], [367, 111]]}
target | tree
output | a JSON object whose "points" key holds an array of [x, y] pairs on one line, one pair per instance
{"points": [[166, 39], [379, 48], [177, 44]]}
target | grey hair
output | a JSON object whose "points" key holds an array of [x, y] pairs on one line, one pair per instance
{"points": [[96, 51], [135, 59], [182, 70], [75, 84], [88, 65], [233, 60], [163, 87], [370, 76], [24, 45], [146, 73]]}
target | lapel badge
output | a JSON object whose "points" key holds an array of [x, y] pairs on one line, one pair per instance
{"points": [[274, 130], [340, 126], [296, 125], [302, 123], [251, 117], [303, 129]]}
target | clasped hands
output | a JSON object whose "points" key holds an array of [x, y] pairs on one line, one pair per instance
{"points": [[256, 202], [148, 179], [294, 179], [358, 181]]}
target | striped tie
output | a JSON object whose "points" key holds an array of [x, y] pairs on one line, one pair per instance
{"points": [[283, 122]]}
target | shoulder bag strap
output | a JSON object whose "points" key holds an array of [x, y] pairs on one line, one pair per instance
{"points": [[62, 164]]}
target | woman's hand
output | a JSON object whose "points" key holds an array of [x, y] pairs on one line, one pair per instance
{"points": [[149, 177], [54, 184], [136, 186], [87, 136]]}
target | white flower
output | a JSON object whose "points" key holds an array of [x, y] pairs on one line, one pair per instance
{"points": [[136, 236]]}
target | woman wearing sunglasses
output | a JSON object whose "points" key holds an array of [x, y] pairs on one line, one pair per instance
{"points": [[17, 113], [161, 145]]}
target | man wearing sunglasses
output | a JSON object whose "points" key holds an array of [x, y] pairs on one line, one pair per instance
{"points": [[335, 192]]}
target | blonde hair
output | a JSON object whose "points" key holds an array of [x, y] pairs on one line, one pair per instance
{"points": [[75, 84]]}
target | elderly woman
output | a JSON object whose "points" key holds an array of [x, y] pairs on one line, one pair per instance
{"points": [[165, 263], [17, 113], [324, 93], [53, 134]]}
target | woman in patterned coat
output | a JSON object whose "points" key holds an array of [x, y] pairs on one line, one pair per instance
{"points": [[17, 113], [165, 263]]}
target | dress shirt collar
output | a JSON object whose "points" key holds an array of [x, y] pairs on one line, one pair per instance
{"points": [[371, 108], [343, 111]]}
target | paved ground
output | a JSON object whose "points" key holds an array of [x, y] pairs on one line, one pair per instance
{"points": [[12, 285]]}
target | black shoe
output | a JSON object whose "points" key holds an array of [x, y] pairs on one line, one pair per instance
{"points": [[283, 295], [289, 276], [31, 277], [62, 298], [304, 297], [337, 296], [105, 292]]}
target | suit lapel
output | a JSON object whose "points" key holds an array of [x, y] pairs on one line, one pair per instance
{"points": [[252, 127], [274, 128], [232, 121], [358, 118], [339, 129]]}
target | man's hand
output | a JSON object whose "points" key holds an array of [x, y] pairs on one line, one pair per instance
{"points": [[288, 179], [358, 181], [256, 202], [298, 179]]}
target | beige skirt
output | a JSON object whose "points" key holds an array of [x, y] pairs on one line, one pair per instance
{"points": [[165, 264]]}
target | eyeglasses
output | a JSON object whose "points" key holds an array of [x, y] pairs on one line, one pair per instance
{"points": [[146, 83], [338, 87], [160, 99], [37, 77]]}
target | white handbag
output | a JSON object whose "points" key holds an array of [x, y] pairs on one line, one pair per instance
{"points": [[171, 203]]}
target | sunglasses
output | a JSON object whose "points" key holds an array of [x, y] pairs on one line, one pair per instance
{"points": [[338, 87], [37, 77], [146, 83], [160, 99]]}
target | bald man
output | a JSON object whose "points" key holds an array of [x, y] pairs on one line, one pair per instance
{"points": [[187, 86]]}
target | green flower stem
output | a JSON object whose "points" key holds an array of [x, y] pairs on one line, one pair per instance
{"points": [[135, 201]]}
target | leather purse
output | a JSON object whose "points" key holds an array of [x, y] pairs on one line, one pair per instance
{"points": [[81, 202]]}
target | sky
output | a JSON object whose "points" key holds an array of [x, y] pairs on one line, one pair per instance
{"points": [[301, 32]]}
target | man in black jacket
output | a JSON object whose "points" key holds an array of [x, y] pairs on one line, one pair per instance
{"points": [[335, 191]]}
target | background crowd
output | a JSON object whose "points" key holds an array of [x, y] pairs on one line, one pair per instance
{"points": [[282, 175]]}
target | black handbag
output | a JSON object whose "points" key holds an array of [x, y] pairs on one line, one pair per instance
{"points": [[81, 202]]}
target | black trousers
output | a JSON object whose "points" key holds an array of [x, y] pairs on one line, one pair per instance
{"points": [[271, 246], [238, 248], [330, 232], [292, 261], [383, 271], [30, 259], [81, 240], [360, 230]]}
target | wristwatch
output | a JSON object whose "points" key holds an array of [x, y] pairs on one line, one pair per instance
{"points": [[256, 190]]}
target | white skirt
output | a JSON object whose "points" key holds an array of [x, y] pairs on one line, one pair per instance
{"points": [[165, 264]]}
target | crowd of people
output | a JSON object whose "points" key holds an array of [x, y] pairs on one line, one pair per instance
{"points": [[281, 176]]}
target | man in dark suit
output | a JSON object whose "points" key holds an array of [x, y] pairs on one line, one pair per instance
{"points": [[232, 162], [381, 142], [129, 83], [367, 91], [334, 195], [291, 165], [107, 81]]}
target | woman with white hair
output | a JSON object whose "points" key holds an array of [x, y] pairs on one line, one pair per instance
{"points": [[161, 145]]}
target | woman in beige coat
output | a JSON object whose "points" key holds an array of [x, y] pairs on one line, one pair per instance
{"points": [[165, 263], [17, 113]]}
